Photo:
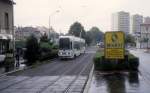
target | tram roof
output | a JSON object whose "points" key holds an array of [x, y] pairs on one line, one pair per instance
{"points": [[73, 38]]}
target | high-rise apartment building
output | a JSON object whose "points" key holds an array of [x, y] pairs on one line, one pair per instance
{"points": [[136, 21], [147, 20], [121, 22]]}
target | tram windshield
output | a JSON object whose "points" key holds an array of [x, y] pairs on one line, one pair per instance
{"points": [[64, 43]]}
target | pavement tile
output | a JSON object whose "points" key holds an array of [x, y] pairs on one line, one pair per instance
{"points": [[6, 78], [35, 84], [12, 81]]}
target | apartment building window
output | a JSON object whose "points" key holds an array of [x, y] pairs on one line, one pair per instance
{"points": [[6, 21]]}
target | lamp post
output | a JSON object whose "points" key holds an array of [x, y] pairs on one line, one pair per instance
{"points": [[57, 11]]}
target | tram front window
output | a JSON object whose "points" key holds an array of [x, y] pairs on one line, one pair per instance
{"points": [[64, 43]]}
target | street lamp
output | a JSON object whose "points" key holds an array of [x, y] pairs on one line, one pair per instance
{"points": [[57, 11]]}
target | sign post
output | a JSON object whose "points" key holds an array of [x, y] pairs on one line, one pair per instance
{"points": [[114, 45]]}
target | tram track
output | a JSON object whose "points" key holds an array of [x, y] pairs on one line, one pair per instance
{"points": [[67, 90], [31, 77], [59, 68], [65, 73]]}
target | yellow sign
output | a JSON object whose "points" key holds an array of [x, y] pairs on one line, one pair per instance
{"points": [[114, 45]]}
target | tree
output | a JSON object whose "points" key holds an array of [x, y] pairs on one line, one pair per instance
{"points": [[94, 35], [129, 39], [88, 38], [77, 30], [44, 38], [32, 50]]}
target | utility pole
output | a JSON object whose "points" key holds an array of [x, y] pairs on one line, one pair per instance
{"points": [[57, 11]]}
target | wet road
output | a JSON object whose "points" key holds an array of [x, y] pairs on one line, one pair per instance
{"points": [[124, 82], [67, 76]]}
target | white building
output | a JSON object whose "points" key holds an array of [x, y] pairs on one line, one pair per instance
{"points": [[136, 21], [145, 36], [121, 22], [22, 33], [147, 20]]}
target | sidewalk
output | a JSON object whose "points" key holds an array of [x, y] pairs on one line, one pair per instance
{"points": [[22, 66]]}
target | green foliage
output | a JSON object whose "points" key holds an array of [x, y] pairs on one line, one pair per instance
{"points": [[55, 46], [48, 51], [45, 45], [9, 61], [49, 55], [20, 44], [94, 35], [129, 39], [133, 62], [145, 40], [129, 63], [32, 50], [44, 38], [77, 29]]}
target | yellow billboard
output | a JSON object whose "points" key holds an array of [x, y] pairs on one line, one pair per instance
{"points": [[114, 45]]}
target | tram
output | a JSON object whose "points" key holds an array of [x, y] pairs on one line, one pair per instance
{"points": [[71, 46]]}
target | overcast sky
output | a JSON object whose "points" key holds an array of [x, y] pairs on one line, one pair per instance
{"points": [[88, 12]]}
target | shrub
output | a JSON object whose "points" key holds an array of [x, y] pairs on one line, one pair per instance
{"points": [[45, 45], [129, 63], [133, 62], [49, 55], [55, 47], [48, 51], [32, 52], [9, 61], [20, 44]]}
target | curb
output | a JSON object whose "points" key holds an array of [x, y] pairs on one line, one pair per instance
{"points": [[87, 86], [16, 70]]}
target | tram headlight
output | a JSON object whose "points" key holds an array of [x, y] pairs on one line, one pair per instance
{"points": [[60, 53]]}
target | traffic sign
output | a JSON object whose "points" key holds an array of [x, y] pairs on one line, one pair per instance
{"points": [[114, 45]]}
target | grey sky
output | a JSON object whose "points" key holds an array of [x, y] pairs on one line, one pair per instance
{"points": [[88, 12]]}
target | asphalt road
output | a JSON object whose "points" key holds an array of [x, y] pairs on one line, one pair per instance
{"points": [[58, 76], [144, 63], [59, 67]]}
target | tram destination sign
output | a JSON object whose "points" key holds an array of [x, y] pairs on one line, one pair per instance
{"points": [[114, 45]]}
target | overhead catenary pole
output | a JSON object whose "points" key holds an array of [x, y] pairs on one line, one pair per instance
{"points": [[50, 21], [49, 28]]}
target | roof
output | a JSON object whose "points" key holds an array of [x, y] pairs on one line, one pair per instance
{"points": [[8, 1], [73, 38]]}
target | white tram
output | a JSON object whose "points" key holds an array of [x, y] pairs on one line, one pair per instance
{"points": [[70, 46]]}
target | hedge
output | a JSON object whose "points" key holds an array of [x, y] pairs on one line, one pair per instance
{"points": [[129, 63], [49, 55]]}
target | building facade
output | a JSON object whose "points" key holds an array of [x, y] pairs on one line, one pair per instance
{"points": [[121, 22], [23, 33], [145, 36], [6, 25], [136, 21], [146, 20]]}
